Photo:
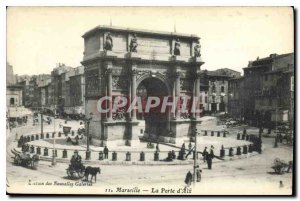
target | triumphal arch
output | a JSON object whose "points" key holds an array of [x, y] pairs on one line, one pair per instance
{"points": [[133, 63]]}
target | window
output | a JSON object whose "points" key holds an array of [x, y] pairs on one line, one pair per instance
{"points": [[12, 101], [266, 77], [222, 89]]}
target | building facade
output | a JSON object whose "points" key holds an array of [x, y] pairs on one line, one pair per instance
{"points": [[267, 91], [75, 87], [235, 98], [214, 89], [131, 63]]}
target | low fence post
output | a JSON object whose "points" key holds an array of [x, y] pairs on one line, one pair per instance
{"points": [[128, 156], [238, 136], [100, 155], [32, 149], [46, 151], [243, 136], [205, 133], [212, 133], [36, 137], [32, 138], [156, 156], [47, 135], [245, 151], [38, 150], [230, 151], [114, 156], [65, 153], [250, 148], [218, 134], [238, 151], [222, 152], [42, 135], [59, 134], [142, 156], [224, 134]]}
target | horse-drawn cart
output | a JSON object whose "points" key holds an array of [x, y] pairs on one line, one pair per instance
{"points": [[75, 172], [280, 166], [26, 159]]}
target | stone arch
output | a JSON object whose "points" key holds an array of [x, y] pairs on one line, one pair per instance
{"points": [[159, 76]]}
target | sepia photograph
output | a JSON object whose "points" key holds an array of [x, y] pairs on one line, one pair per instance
{"points": [[175, 101]]}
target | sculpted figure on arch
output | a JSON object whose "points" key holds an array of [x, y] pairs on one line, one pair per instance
{"points": [[108, 42], [133, 44]]}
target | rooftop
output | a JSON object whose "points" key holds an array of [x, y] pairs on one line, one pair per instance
{"points": [[141, 31]]}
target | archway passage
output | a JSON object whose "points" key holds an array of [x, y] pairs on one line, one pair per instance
{"points": [[156, 122]]}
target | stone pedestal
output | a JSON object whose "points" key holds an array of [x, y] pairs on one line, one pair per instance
{"points": [[120, 133]]}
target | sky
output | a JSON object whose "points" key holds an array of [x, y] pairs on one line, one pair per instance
{"points": [[40, 37]]}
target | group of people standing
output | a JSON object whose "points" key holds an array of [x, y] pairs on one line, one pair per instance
{"points": [[208, 156]]}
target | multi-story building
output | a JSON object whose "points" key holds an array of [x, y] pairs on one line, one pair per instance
{"points": [[45, 97], [58, 85], [77, 91], [14, 101], [10, 76], [73, 91], [214, 89], [235, 97], [31, 91], [267, 92]]}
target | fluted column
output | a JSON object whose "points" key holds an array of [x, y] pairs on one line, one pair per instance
{"points": [[109, 92], [133, 91], [197, 94], [177, 93]]}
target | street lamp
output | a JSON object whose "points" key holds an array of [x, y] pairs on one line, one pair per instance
{"points": [[54, 155], [195, 158], [88, 152]]}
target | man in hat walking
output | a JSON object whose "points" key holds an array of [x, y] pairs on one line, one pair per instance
{"points": [[188, 178]]}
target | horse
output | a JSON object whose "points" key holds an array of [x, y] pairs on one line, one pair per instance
{"points": [[93, 171]]}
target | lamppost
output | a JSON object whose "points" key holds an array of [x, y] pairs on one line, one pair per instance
{"points": [[53, 163], [195, 159], [88, 152], [42, 120]]}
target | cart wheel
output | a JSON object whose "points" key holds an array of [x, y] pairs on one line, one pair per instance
{"points": [[276, 160], [70, 174], [80, 174], [277, 170]]}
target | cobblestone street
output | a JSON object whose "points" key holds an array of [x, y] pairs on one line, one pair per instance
{"points": [[253, 174]]}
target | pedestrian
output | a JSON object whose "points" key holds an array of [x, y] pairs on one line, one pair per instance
{"points": [[157, 147], [290, 167], [198, 174], [280, 138], [188, 178], [280, 184], [244, 131], [190, 146], [105, 151], [212, 150], [209, 161], [204, 154], [173, 154]]}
